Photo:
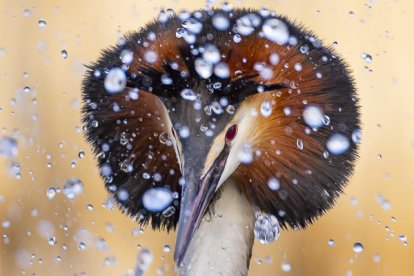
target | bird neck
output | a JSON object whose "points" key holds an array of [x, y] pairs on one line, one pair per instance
{"points": [[223, 242]]}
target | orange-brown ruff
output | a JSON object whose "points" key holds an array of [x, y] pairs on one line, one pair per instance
{"points": [[136, 132]]}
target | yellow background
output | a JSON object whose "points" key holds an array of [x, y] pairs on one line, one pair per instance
{"points": [[83, 27]]}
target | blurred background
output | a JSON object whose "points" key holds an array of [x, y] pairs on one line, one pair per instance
{"points": [[43, 46]]}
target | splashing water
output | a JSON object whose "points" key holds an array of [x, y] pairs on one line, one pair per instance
{"points": [[266, 228]]}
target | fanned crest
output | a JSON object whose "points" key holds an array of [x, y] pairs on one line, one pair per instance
{"points": [[133, 136]]}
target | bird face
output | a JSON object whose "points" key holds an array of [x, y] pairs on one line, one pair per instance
{"points": [[186, 103]]}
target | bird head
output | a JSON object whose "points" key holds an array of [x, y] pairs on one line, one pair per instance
{"points": [[187, 102]]}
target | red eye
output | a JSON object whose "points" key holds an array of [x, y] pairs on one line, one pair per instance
{"points": [[231, 133]]}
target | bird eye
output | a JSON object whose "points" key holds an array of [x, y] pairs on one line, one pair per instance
{"points": [[231, 133]]}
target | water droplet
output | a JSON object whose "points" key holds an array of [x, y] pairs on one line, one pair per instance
{"points": [[184, 132], [299, 144], [163, 137], [64, 54], [337, 144], [266, 109], [144, 261], [220, 22], [27, 89], [203, 68], [72, 188], [52, 240], [163, 17], [81, 154], [326, 120], [126, 56], [26, 12], [216, 107], [331, 243], [367, 57], [169, 211], [402, 238], [298, 67], [6, 224], [286, 267], [115, 80], [385, 203], [304, 49], [127, 166], [181, 32], [150, 56], [276, 30], [81, 246], [211, 54], [41, 23], [377, 258], [51, 193], [318, 75], [157, 199], [188, 94], [89, 207], [273, 184], [8, 147], [122, 195], [245, 154], [230, 109], [167, 248], [245, 25], [358, 247], [313, 116], [237, 38], [166, 80], [109, 203], [356, 136], [106, 170], [266, 228], [222, 70], [266, 73]]}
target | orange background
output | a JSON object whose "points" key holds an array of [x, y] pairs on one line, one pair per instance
{"points": [[382, 28]]}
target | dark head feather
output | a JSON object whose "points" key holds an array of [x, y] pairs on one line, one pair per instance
{"points": [[125, 132]]}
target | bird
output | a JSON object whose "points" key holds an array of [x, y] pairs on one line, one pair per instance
{"points": [[202, 120]]}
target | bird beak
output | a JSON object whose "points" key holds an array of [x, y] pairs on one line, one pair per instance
{"points": [[195, 201]]}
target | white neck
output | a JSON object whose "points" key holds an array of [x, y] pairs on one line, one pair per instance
{"points": [[223, 242]]}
